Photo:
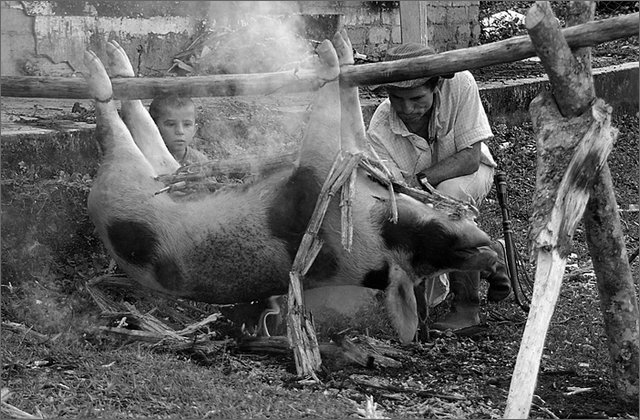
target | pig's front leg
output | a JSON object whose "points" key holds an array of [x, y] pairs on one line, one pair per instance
{"points": [[142, 127]]}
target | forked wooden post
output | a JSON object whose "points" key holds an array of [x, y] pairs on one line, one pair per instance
{"points": [[574, 138]]}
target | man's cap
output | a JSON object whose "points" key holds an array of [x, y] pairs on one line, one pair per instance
{"points": [[409, 50]]}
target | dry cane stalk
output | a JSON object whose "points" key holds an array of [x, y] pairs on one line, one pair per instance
{"points": [[306, 353], [300, 329], [346, 205], [14, 412], [389, 176], [152, 330], [23, 329], [433, 198]]}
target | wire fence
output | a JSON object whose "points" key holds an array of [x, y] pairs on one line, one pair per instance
{"points": [[504, 19]]}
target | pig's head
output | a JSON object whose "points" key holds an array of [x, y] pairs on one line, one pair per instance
{"points": [[437, 241], [426, 242]]}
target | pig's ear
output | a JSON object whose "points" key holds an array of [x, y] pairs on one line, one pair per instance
{"points": [[401, 304]]}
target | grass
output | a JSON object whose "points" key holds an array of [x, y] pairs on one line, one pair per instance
{"points": [[69, 377]]}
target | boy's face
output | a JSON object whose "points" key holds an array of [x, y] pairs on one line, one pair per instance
{"points": [[411, 104], [177, 126]]}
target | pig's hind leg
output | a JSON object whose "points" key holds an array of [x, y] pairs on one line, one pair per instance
{"points": [[321, 141], [352, 123], [112, 134], [142, 127]]}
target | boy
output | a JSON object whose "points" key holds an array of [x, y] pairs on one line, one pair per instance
{"points": [[176, 119]]}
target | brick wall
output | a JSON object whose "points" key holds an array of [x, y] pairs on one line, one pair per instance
{"points": [[374, 26], [453, 24]]}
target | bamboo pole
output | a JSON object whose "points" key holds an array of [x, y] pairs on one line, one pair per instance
{"points": [[513, 49]]}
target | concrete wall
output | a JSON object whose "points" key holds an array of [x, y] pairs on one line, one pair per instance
{"points": [[42, 39], [47, 38], [507, 102]]}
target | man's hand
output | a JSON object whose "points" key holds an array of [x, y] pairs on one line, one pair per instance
{"points": [[422, 181]]}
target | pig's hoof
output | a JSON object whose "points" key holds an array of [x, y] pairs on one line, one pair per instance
{"points": [[119, 63], [329, 65], [343, 47], [98, 80]]}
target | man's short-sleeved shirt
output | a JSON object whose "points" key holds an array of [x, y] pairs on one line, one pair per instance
{"points": [[458, 121]]}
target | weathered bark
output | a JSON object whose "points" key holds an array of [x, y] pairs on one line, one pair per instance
{"points": [[572, 90], [571, 150], [513, 49], [618, 300], [606, 244], [581, 12]]}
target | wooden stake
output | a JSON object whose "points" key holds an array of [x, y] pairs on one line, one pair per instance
{"points": [[513, 49]]}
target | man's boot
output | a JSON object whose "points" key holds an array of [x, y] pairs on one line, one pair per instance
{"points": [[499, 281], [465, 310]]}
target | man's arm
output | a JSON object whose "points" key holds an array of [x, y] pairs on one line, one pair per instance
{"points": [[464, 162], [384, 155]]}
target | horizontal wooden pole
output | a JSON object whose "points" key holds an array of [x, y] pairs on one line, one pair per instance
{"points": [[506, 51], [509, 50]]}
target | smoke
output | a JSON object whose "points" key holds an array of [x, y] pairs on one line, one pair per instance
{"points": [[253, 37]]}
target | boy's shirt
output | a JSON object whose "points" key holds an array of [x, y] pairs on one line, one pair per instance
{"points": [[192, 156]]}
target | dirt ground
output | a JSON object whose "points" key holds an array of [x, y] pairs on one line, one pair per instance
{"points": [[80, 371]]}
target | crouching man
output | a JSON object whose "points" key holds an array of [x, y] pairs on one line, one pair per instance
{"points": [[433, 130]]}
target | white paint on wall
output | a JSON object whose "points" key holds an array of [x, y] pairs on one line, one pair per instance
{"points": [[77, 32]]}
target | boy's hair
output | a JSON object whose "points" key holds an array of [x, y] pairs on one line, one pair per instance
{"points": [[161, 103]]}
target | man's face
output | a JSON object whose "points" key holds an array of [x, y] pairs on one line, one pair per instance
{"points": [[177, 127], [411, 104]]}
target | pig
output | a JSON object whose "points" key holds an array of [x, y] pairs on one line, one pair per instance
{"points": [[238, 243]]}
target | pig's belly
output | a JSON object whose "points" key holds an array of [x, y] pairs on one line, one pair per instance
{"points": [[237, 262]]}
